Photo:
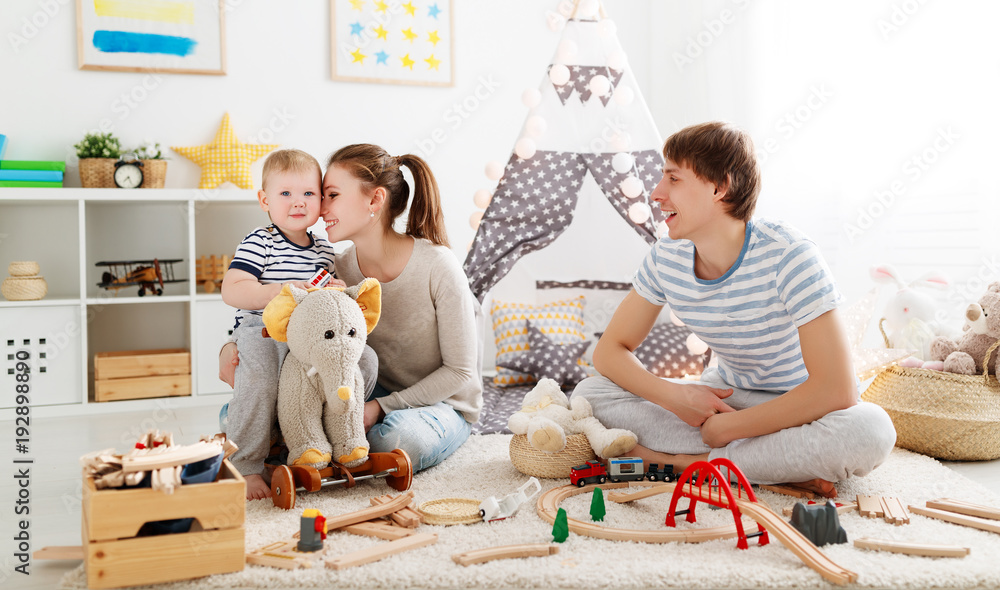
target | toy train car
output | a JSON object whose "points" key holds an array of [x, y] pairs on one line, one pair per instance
{"points": [[619, 469]]}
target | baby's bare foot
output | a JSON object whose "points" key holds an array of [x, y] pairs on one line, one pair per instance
{"points": [[257, 488]]}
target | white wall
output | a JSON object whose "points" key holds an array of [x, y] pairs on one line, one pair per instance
{"points": [[278, 83], [891, 92]]}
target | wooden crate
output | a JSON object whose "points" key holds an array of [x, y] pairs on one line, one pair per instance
{"points": [[135, 374], [116, 557]]}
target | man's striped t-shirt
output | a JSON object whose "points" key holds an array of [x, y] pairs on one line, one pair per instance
{"points": [[271, 257], [750, 315]]}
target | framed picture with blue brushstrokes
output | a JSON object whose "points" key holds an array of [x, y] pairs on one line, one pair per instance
{"points": [[393, 41], [168, 36]]}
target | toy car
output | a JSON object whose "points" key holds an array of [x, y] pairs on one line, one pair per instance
{"points": [[492, 509], [625, 469], [655, 473], [590, 472]]}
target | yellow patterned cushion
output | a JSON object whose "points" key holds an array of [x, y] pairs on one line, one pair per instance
{"points": [[562, 321]]}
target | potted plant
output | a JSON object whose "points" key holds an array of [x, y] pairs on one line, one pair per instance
{"points": [[98, 153], [153, 163]]}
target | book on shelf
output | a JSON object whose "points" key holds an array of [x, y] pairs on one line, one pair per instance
{"points": [[42, 175], [3, 144], [29, 184], [33, 165]]}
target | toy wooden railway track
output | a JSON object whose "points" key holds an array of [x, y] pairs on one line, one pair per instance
{"points": [[505, 552], [802, 547], [548, 505], [911, 548], [966, 508]]}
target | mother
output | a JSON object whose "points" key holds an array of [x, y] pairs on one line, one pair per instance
{"points": [[429, 337]]}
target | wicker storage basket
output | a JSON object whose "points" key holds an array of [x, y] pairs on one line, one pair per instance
{"points": [[530, 461], [944, 415], [24, 288], [97, 172], [23, 268], [154, 173]]}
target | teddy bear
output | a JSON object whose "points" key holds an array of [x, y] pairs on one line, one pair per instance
{"points": [[321, 389], [547, 416], [982, 330]]}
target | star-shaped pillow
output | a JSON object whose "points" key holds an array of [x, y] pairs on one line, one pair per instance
{"points": [[546, 358], [665, 352]]}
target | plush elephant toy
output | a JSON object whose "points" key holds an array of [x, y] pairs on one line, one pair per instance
{"points": [[321, 390]]}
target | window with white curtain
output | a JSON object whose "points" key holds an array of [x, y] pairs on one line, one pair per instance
{"points": [[877, 122]]}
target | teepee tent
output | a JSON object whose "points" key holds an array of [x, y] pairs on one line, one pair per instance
{"points": [[588, 149]]}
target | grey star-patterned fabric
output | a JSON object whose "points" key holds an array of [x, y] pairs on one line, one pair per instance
{"points": [[579, 80], [534, 203], [664, 352], [547, 358]]}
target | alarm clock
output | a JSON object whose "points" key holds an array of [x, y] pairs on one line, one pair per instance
{"points": [[128, 174]]}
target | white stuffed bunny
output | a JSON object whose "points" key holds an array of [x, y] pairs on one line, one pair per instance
{"points": [[910, 313], [547, 416]]}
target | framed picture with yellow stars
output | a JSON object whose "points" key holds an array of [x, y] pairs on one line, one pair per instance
{"points": [[393, 41]]}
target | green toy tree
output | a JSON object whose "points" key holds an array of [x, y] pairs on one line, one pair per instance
{"points": [[597, 510], [560, 528]]}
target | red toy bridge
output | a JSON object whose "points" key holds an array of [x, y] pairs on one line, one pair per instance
{"points": [[704, 481]]}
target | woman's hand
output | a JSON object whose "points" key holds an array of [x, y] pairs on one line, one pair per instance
{"points": [[696, 403], [373, 413], [228, 359]]}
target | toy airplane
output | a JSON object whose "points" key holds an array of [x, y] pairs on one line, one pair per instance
{"points": [[149, 275]]}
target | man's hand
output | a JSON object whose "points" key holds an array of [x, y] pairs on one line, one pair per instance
{"points": [[714, 433], [694, 404], [228, 359], [373, 413]]}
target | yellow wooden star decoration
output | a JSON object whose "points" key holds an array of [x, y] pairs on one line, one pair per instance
{"points": [[226, 158], [358, 56], [433, 38], [432, 63], [409, 34], [382, 32], [410, 8], [381, 6], [407, 62], [356, 4]]}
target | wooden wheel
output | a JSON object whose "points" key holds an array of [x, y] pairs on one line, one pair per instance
{"points": [[283, 488], [401, 480], [307, 477]]}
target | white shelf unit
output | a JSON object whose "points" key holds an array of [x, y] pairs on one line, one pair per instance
{"points": [[68, 230]]}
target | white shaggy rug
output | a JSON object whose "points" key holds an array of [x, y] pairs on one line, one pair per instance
{"points": [[481, 468]]}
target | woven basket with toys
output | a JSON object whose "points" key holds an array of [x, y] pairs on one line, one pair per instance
{"points": [[954, 413], [553, 434]]}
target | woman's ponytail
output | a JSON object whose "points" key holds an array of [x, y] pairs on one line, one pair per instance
{"points": [[426, 218]]}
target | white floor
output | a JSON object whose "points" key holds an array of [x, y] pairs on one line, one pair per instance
{"points": [[55, 490]]}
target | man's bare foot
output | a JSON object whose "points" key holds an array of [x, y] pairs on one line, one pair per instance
{"points": [[257, 488], [818, 486]]}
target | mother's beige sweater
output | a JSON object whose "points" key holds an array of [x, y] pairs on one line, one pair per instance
{"points": [[429, 339]]}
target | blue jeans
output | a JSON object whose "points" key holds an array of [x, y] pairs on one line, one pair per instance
{"points": [[428, 434]]}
